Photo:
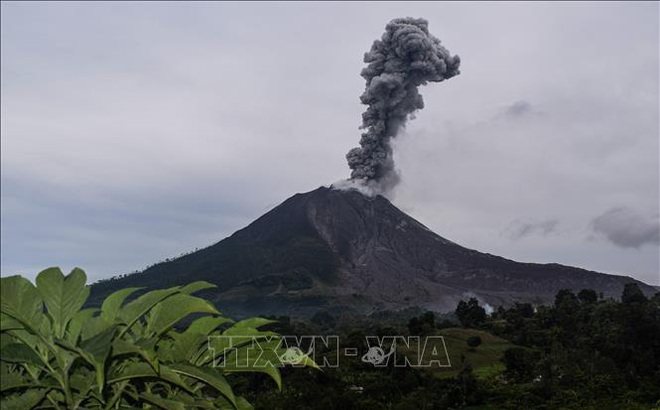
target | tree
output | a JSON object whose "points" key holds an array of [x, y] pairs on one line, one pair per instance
{"points": [[566, 299], [324, 319], [520, 363], [422, 325], [632, 294], [519, 312], [526, 310], [470, 314], [429, 317], [588, 296], [566, 306], [473, 342]]}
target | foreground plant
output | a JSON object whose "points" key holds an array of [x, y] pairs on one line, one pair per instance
{"points": [[55, 354]]}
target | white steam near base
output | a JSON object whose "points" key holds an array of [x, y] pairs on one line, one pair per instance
{"points": [[367, 188]]}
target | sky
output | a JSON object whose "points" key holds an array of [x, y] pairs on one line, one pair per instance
{"points": [[135, 132]]}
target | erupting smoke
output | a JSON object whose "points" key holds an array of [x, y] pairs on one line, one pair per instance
{"points": [[406, 57]]}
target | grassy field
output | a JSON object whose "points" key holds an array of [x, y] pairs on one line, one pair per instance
{"points": [[486, 360]]}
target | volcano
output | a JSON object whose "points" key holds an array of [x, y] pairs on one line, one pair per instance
{"points": [[339, 250]]}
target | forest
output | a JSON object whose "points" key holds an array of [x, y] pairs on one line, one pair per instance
{"points": [[583, 352]]}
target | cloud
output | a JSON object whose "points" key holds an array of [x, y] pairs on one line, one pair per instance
{"points": [[626, 228], [518, 109], [518, 229]]}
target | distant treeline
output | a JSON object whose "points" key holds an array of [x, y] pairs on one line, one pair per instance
{"points": [[582, 352], [135, 272]]}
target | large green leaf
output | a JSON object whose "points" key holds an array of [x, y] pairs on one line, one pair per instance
{"points": [[171, 310], [254, 323], [112, 304], [132, 370], [146, 349], [161, 402], [63, 296], [273, 372], [192, 402], [165, 351], [235, 338], [219, 346], [82, 381], [75, 327], [209, 376], [241, 403], [36, 343], [193, 287], [20, 300], [207, 324], [19, 353], [96, 351], [122, 347], [186, 344], [262, 356], [26, 400], [134, 310], [248, 331], [94, 325], [6, 338], [12, 380], [9, 323]]}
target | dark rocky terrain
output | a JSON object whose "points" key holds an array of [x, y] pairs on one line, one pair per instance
{"points": [[340, 250]]}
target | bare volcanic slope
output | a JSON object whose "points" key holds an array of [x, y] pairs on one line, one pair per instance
{"points": [[340, 250]]}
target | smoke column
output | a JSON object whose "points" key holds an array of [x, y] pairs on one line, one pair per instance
{"points": [[406, 57]]}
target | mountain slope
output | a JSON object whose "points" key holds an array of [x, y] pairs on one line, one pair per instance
{"points": [[332, 249]]}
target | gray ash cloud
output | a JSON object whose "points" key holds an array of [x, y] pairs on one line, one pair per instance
{"points": [[519, 229], [406, 57], [627, 228]]}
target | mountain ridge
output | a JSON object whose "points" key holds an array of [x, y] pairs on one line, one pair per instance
{"points": [[331, 249]]}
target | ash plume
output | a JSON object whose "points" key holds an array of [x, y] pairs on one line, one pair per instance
{"points": [[406, 57]]}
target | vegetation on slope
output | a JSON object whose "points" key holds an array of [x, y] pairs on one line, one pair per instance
{"points": [[127, 354], [582, 352]]}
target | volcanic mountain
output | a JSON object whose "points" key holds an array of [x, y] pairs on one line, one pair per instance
{"points": [[338, 250]]}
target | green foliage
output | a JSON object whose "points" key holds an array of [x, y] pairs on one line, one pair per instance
{"points": [[297, 260], [474, 341], [422, 325], [520, 363], [632, 294], [583, 352], [127, 354], [588, 296], [324, 320], [470, 314]]}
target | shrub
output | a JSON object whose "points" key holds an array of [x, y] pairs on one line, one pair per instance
{"points": [[55, 354], [474, 341]]}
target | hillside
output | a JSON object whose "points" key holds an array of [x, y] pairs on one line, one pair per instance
{"points": [[340, 250]]}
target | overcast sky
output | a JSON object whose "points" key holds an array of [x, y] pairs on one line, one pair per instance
{"points": [[134, 132]]}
